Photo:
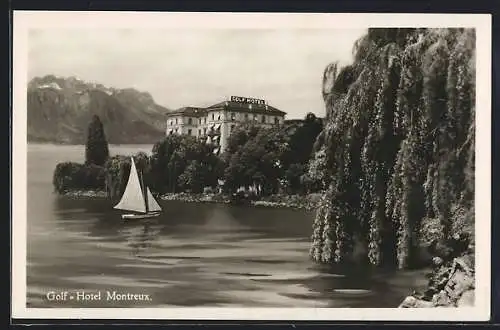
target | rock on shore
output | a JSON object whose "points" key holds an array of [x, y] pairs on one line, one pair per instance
{"points": [[85, 193], [308, 202], [195, 198], [451, 284]]}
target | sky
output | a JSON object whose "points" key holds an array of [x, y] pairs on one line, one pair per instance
{"points": [[198, 67]]}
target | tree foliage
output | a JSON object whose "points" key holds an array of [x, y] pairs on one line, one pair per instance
{"points": [[257, 160], [96, 149], [182, 162], [398, 145], [273, 158], [73, 176], [178, 163], [117, 169]]}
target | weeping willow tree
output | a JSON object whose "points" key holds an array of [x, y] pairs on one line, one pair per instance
{"points": [[399, 142]]}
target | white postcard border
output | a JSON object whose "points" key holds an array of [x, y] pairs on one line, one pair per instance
{"points": [[25, 20]]}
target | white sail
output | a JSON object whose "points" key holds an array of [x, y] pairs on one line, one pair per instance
{"points": [[153, 205], [132, 199]]}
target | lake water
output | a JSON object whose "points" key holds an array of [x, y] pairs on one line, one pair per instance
{"points": [[198, 255]]}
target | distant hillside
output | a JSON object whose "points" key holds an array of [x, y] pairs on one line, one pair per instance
{"points": [[59, 111]]}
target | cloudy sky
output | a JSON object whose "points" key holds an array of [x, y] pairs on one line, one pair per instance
{"points": [[198, 67]]}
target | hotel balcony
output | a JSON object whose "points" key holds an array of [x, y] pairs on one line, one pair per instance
{"points": [[213, 137]]}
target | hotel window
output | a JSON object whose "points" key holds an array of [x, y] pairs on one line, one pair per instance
{"points": [[199, 131], [190, 131], [233, 116], [263, 119], [205, 120], [218, 117], [176, 121], [205, 131], [213, 116], [190, 122], [199, 121], [276, 120]]}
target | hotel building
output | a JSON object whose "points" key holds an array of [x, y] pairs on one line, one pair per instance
{"points": [[215, 123]]}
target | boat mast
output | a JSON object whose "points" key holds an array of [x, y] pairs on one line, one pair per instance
{"points": [[144, 192]]}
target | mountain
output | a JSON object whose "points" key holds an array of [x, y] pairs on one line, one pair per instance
{"points": [[60, 109]]}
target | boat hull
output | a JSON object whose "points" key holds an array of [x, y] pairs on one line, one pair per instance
{"points": [[132, 216]]}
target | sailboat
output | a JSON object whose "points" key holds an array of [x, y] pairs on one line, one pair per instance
{"points": [[138, 198]]}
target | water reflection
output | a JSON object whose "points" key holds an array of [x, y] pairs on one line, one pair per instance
{"points": [[141, 237]]}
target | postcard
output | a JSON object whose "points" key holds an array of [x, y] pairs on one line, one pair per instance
{"points": [[251, 166]]}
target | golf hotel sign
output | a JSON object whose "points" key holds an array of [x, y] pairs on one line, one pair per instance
{"points": [[247, 100]]}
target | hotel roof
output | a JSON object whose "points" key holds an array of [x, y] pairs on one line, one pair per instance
{"points": [[228, 105], [189, 111], [258, 108]]}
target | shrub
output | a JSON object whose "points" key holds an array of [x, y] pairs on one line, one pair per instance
{"points": [[73, 176]]}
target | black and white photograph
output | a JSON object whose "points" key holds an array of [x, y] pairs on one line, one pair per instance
{"points": [[251, 166]]}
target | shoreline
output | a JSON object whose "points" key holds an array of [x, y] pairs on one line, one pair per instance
{"points": [[84, 193], [55, 144], [299, 202]]}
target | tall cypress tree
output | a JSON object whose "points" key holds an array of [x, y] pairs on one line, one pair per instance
{"points": [[96, 149]]}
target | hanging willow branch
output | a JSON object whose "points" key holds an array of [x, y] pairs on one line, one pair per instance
{"points": [[399, 143]]}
